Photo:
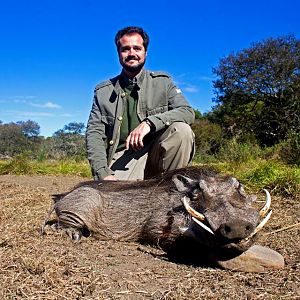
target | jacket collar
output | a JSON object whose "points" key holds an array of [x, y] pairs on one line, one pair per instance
{"points": [[116, 80], [138, 79]]}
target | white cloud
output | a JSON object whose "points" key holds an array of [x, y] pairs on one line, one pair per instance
{"points": [[66, 115], [31, 101], [24, 97], [184, 82], [34, 114], [18, 113], [190, 89], [20, 101], [206, 78], [187, 87], [45, 105], [52, 105]]}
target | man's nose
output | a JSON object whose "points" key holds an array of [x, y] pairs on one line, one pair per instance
{"points": [[131, 51]]}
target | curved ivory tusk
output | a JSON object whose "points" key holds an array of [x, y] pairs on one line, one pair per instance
{"points": [[192, 211], [261, 224], [267, 206], [202, 225]]}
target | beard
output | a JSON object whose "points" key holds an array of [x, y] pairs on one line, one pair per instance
{"points": [[133, 69]]}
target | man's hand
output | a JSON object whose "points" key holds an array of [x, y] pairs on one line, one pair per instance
{"points": [[136, 136], [110, 177]]}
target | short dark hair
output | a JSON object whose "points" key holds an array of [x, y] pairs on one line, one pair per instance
{"points": [[130, 30]]}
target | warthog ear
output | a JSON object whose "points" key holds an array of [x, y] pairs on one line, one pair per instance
{"points": [[184, 184]]}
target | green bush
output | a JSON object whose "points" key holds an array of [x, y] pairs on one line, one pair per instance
{"points": [[289, 149], [279, 179], [275, 176], [66, 167], [234, 152], [19, 165], [208, 137]]}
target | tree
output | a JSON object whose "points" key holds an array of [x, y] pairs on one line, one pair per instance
{"points": [[74, 128], [208, 136], [198, 114], [19, 137], [12, 140], [258, 90], [29, 128], [69, 141]]}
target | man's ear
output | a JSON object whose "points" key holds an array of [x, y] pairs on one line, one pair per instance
{"points": [[184, 184]]}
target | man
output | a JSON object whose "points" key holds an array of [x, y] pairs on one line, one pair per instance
{"points": [[138, 126]]}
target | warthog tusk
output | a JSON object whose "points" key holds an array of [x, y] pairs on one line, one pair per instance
{"points": [[192, 211], [260, 225], [267, 206], [202, 225]]}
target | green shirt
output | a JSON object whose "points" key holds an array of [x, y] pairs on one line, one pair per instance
{"points": [[130, 118]]}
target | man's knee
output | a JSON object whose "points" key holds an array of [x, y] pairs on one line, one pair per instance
{"points": [[182, 132]]}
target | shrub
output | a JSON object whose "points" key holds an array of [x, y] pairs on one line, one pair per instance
{"points": [[66, 146], [66, 167], [19, 165], [289, 149], [234, 152], [208, 137], [280, 179]]}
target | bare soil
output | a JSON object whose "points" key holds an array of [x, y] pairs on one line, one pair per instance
{"points": [[53, 267]]}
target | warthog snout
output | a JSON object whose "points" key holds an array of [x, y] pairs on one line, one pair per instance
{"points": [[236, 230]]}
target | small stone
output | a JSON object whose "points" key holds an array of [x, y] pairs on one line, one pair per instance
{"points": [[257, 259]]}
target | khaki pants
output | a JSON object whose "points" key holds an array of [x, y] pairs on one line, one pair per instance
{"points": [[170, 149]]}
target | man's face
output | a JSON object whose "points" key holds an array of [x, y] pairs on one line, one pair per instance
{"points": [[132, 53]]}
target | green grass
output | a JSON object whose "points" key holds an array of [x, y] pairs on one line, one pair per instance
{"points": [[280, 179], [255, 174], [257, 167], [20, 165]]}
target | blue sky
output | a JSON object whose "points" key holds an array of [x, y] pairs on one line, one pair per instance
{"points": [[53, 52]]}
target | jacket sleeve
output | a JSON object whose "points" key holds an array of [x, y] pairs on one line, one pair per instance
{"points": [[179, 109], [96, 143]]}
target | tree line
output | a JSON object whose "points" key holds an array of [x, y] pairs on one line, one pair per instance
{"points": [[24, 138], [257, 102]]}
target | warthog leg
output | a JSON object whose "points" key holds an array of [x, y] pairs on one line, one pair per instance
{"points": [[73, 233]]}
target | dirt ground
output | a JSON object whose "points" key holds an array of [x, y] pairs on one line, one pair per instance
{"points": [[53, 267]]}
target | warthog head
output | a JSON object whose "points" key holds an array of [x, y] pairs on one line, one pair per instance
{"points": [[195, 204], [222, 214]]}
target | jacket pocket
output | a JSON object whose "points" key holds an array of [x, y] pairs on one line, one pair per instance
{"points": [[108, 120], [157, 110]]}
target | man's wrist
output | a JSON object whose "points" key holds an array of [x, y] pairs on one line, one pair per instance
{"points": [[149, 123]]}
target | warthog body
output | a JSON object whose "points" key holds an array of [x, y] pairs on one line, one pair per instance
{"points": [[163, 211]]}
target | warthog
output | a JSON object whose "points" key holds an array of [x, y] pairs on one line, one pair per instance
{"points": [[195, 205]]}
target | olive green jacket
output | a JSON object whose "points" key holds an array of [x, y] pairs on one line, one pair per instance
{"points": [[159, 101]]}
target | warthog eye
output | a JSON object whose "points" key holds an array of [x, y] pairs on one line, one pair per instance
{"points": [[193, 195], [227, 229]]}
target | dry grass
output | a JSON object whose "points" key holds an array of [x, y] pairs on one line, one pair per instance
{"points": [[53, 267]]}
